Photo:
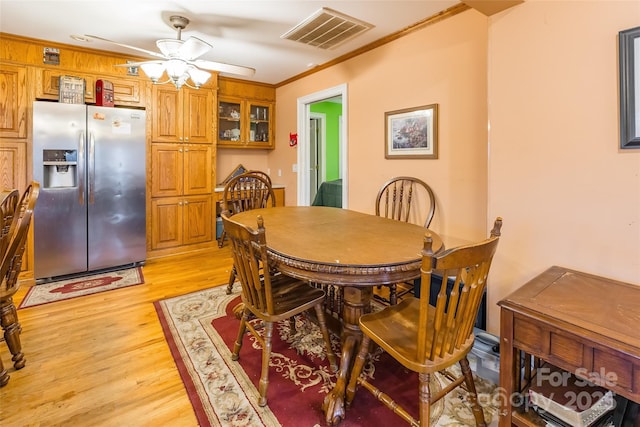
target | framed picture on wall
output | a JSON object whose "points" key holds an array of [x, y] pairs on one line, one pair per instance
{"points": [[629, 68], [412, 133]]}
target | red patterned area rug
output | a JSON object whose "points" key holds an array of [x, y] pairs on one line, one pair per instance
{"points": [[80, 286], [200, 329]]}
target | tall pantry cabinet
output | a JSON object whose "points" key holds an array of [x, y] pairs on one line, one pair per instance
{"points": [[13, 132], [182, 153]]}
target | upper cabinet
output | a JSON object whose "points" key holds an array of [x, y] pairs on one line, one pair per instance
{"points": [[184, 116], [245, 115], [126, 91], [13, 102], [244, 123]]}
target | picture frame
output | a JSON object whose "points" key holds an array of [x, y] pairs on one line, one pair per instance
{"points": [[629, 69], [238, 170], [412, 133]]}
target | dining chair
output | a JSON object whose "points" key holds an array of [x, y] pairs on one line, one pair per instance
{"points": [[10, 269], [247, 191], [427, 339], [405, 198], [8, 205], [261, 174], [270, 297]]}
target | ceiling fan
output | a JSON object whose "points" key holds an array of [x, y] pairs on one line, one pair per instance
{"points": [[179, 58]]}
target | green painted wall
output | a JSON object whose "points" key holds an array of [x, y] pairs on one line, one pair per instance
{"points": [[332, 111]]}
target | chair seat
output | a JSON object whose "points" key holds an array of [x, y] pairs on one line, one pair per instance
{"points": [[395, 329], [290, 296]]}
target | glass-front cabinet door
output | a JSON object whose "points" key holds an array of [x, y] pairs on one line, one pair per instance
{"points": [[229, 122], [244, 123], [260, 129]]}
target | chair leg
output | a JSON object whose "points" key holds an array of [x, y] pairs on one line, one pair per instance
{"points": [[241, 331], [221, 239], [232, 279], [12, 329], [292, 325], [266, 356], [333, 363], [473, 396], [424, 393], [4, 376], [357, 369], [393, 294]]}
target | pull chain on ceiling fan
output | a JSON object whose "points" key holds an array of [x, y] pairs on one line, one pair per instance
{"points": [[179, 59]]}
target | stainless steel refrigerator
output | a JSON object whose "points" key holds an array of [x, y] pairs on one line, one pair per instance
{"points": [[90, 162]]}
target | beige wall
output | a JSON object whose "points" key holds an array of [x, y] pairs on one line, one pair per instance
{"points": [[569, 196], [544, 75], [444, 64]]}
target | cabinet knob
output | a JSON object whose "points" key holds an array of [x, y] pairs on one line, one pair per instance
{"points": [[179, 150]]}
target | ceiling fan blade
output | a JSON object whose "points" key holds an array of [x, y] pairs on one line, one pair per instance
{"points": [[139, 49], [224, 68], [137, 64], [192, 48]]}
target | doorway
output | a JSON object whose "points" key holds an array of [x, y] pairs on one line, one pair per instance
{"points": [[311, 154], [317, 147]]}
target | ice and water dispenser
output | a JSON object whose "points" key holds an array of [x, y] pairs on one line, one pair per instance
{"points": [[60, 168]]}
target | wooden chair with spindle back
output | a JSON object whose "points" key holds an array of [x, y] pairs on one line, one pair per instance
{"points": [[268, 296], [8, 205], [10, 269], [400, 198], [427, 339], [247, 191]]}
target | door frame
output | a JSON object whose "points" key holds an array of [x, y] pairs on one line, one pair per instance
{"points": [[321, 151], [304, 115]]}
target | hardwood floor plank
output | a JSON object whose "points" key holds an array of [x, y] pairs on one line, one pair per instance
{"points": [[102, 359]]}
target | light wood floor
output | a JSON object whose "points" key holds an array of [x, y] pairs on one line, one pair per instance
{"points": [[102, 360]]}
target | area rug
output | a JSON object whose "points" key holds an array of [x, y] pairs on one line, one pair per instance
{"points": [[200, 329], [80, 286]]}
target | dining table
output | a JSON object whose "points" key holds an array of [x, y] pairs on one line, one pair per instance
{"points": [[345, 248]]}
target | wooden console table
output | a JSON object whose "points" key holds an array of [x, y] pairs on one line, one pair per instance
{"points": [[584, 324]]}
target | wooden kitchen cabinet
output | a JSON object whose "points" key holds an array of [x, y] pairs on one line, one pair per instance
{"points": [[180, 221], [246, 115], [180, 169], [184, 116], [126, 91], [244, 123], [13, 101], [181, 188]]}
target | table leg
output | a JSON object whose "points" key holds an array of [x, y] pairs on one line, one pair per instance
{"points": [[356, 302], [508, 371]]}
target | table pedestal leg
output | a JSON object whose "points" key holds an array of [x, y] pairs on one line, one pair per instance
{"points": [[356, 303]]}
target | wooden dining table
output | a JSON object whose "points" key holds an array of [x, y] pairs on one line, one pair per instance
{"points": [[341, 247]]}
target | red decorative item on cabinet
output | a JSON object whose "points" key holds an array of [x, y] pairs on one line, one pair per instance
{"points": [[104, 93]]}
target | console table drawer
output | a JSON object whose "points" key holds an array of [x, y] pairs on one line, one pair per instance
{"points": [[619, 370]]}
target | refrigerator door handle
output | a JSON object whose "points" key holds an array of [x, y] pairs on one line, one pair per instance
{"points": [[81, 162], [91, 176]]}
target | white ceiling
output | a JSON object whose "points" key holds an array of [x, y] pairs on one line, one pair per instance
{"points": [[242, 32]]}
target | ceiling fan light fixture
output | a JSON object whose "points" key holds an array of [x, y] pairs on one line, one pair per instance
{"points": [[153, 70], [176, 68], [180, 59], [169, 47], [198, 77]]}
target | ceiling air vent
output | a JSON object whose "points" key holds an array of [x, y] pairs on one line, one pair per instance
{"points": [[326, 29]]}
